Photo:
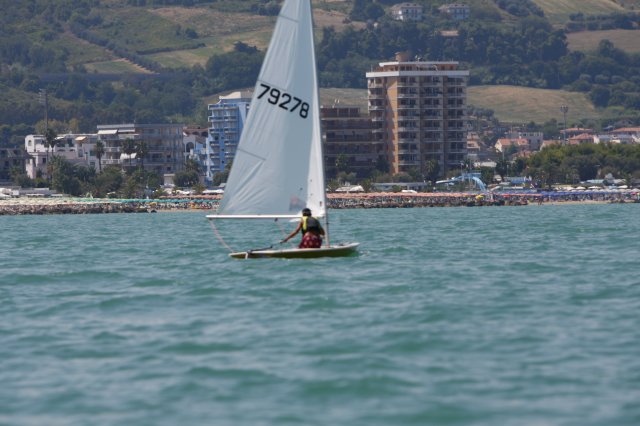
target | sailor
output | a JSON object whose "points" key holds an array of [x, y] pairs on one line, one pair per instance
{"points": [[311, 230]]}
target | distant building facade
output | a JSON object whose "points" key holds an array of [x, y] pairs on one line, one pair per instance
{"points": [[533, 138], [195, 145], [75, 148], [227, 119], [163, 144], [407, 12], [11, 157], [418, 111], [456, 11], [348, 138]]}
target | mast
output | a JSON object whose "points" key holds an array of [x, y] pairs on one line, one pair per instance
{"points": [[321, 150]]}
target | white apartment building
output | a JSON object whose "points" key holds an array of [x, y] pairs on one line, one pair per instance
{"points": [[75, 148]]}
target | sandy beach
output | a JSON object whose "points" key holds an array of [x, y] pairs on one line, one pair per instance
{"points": [[70, 205]]}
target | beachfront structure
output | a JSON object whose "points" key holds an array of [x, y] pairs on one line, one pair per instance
{"points": [[11, 157], [162, 145], [227, 119], [418, 111], [456, 11], [407, 12], [195, 145], [75, 148], [348, 144]]}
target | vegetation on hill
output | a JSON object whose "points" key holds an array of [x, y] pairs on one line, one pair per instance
{"points": [[107, 61]]}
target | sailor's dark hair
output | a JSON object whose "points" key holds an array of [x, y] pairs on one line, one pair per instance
{"points": [[306, 212]]}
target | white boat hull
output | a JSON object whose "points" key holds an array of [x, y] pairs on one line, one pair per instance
{"points": [[341, 250]]}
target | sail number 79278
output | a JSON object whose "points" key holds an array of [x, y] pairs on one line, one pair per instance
{"points": [[284, 100]]}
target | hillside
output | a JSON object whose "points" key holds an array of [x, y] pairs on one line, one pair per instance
{"points": [[558, 11], [524, 104], [111, 60], [585, 41], [509, 103]]}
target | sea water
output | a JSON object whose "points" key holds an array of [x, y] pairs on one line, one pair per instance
{"points": [[449, 316]]}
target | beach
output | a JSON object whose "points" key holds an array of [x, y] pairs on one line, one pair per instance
{"points": [[73, 205]]}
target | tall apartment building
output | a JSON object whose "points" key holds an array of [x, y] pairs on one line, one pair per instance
{"points": [[163, 143], [227, 121], [418, 112], [347, 133]]}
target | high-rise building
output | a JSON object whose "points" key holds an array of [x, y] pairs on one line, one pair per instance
{"points": [[418, 112], [347, 141], [227, 121]]}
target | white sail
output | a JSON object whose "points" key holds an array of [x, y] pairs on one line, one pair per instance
{"points": [[277, 169]]}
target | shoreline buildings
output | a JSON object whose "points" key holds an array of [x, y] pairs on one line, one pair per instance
{"points": [[226, 120], [348, 145], [158, 147], [418, 111]]}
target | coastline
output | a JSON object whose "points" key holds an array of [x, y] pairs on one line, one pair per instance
{"points": [[70, 205]]}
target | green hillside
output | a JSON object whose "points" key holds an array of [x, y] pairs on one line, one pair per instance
{"points": [[558, 11], [585, 41], [509, 103], [111, 60], [524, 104]]}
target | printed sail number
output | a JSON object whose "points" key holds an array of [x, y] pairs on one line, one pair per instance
{"points": [[276, 95]]}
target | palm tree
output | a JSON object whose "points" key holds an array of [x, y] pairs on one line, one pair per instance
{"points": [[129, 147], [142, 151], [99, 153], [50, 141]]}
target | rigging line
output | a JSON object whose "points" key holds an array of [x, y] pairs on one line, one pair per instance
{"points": [[251, 154], [280, 227], [219, 237]]}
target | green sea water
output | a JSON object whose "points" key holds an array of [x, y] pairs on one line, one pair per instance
{"points": [[449, 316]]}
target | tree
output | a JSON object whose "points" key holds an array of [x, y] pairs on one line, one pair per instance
{"points": [[192, 165], [141, 151], [501, 168], [63, 177], [186, 178], [129, 148], [19, 177], [50, 139], [342, 163], [431, 170], [99, 151]]}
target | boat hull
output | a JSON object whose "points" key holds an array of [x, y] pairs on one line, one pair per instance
{"points": [[342, 250]]}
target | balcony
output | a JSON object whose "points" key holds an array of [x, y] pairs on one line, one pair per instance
{"points": [[411, 106], [377, 107]]}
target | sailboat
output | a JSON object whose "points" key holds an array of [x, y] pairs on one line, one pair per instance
{"points": [[278, 165]]}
